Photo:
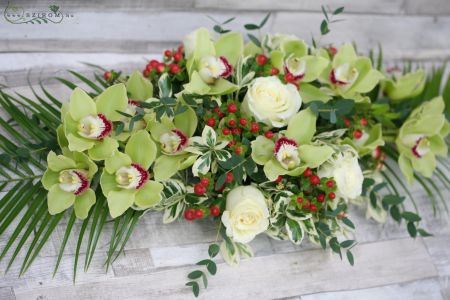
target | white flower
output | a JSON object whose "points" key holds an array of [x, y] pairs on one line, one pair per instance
{"points": [[296, 67], [344, 75], [286, 152], [347, 173], [272, 102], [246, 213], [211, 68], [173, 142], [275, 41]]}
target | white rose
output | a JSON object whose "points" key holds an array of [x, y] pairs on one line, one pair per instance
{"points": [[347, 173], [271, 102], [246, 213]]}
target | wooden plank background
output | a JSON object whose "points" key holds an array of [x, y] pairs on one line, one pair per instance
{"points": [[124, 35]]}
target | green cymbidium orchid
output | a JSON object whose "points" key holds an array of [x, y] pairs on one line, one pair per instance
{"points": [[67, 180], [173, 136], [125, 178], [210, 63], [421, 138], [368, 142], [292, 153], [407, 86], [350, 75], [88, 123]]}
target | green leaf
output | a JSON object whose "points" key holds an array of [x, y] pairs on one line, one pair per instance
{"points": [[393, 200], [324, 27], [338, 10], [395, 213], [213, 250], [254, 40], [68, 230], [347, 243], [412, 229], [251, 26], [195, 274], [264, 21], [212, 268], [423, 232], [195, 287], [350, 257], [349, 223], [411, 217]]}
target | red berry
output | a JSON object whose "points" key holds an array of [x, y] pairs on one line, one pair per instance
{"points": [[330, 183], [307, 192], [289, 77], [268, 134], [347, 122], [261, 59], [279, 179], [226, 131], [214, 211], [204, 181], [376, 153], [232, 143], [232, 123], [154, 63], [243, 122], [167, 53], [198, 213], [177, 56], [232, 108], [189, 214], [174, 68], [306, 205], [313, 208], [211, 122], [315, 180], [321, 198], [161, 67], [145, 73], [307, 172], [331, 195], [299, 199], [221, 115], [254, 127], [149, 67], [107, 75], [229, 178], [363, 122], [332, 50], [236, 131], [199, 189], [274, 71], [357, 134], [216, 109], [238, 150]]}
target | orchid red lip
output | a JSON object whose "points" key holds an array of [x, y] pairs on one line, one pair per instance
{"points": [[134, 103], [296, 77], [228, 67], [84, 183], [144, 175], [283, 141], [183, 139], [336, 81], [107, 127]]}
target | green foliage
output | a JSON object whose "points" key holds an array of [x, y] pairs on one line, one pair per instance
{"points": [[329, 14], [210, 266]]}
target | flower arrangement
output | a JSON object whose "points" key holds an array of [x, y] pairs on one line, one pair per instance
{"points": [[273, 136]]}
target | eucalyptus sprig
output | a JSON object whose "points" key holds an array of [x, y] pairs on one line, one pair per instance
{"points": [[198, 274]]}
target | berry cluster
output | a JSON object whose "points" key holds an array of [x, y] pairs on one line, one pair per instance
{"points": [[356, 125], [315, 192], [173, 62]]}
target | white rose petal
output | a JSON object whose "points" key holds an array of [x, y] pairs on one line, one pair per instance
{"points": [[272, 102], [246, 214]]}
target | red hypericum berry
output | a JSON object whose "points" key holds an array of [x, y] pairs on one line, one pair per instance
{"points": [[198, 213], [331, 195], [199, 189], [306, 205], [216, 109], [314, 179], [332, 50], [232, 108], [236, 131], [299, 199], [357, 134], [347, 122], [232, 143], [232, 123], [107, 75], [154, 63], [279, 179], [330, 183], [376, 153], [238, 150], [321, 198], [274, 71], [307, 172], [177, 56], [167, 53], [161, 67], [261, 59], [189, 214], [145, 73], [268, 134], [174, 68], [204, 181], [229, 178], [214, 211], [226, 131], [313, 208], [221, 114], [149, 67], [254, 127], [307, 193], [289, 77], [211, 122], [243, 122], [363, 122]]}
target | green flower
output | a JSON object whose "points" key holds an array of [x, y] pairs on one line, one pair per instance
{"points": [[421, 138], [407, 86], [293, 153], [350, 75], [172, 138], [67, 180], [88, 123], [210, 63], [125, 178]]}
